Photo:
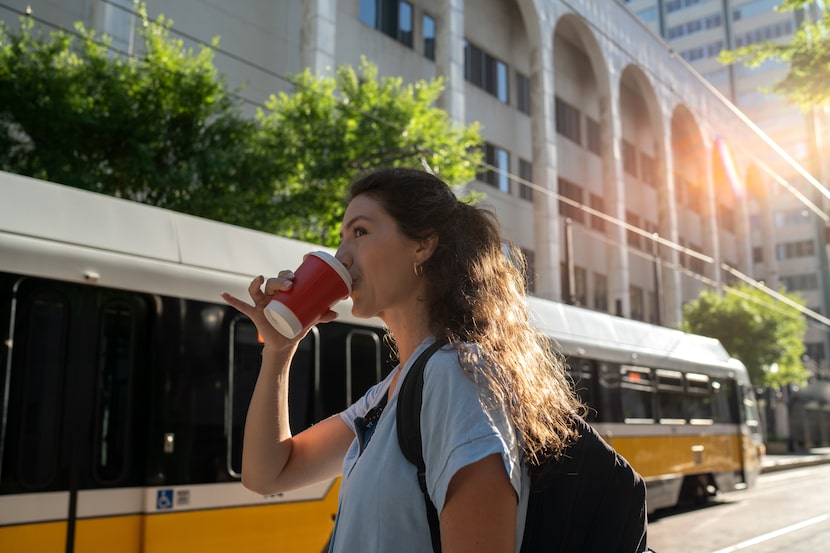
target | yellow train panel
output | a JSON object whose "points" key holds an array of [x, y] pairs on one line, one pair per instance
{"points": [[44, 537], [105, 535], [297, 527], [660, 456]]}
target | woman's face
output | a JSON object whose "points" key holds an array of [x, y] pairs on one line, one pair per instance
{"points": [[379, 258]]}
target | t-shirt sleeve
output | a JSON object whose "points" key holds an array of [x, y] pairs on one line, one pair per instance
{"points": [[459, 427]]}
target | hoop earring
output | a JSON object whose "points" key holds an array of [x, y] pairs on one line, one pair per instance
{"points": [[419, 270]]}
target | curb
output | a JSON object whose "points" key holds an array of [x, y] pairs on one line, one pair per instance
{"points": [[794, 462]]}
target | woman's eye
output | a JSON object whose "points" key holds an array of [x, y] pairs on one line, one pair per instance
{"points": [[359, 231]]}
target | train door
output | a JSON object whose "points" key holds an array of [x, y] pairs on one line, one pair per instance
{"points": [[752, 439], [72, 381]]}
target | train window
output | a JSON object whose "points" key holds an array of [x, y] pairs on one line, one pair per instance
{"points": [[115, 352], [725, 401], [581, 372], [751, 415], [245, 360], [362, 363], [670, 397], [42, 393], [698, 398], [636, 393]]}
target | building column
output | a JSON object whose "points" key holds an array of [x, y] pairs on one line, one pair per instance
{"points": [[743, 232], [619, 281], [449, 57], [318, 36], [545, 172], [772, 272], [670, 297], [711, 238]]}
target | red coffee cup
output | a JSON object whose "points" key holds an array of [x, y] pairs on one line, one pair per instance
{"points": [[319, 282]]}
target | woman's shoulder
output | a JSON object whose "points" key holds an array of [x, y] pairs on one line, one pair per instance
{"points": [[455, 368]]}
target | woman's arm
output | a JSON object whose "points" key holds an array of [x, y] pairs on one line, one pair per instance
{"points": [[272, 459], [479, 512]]}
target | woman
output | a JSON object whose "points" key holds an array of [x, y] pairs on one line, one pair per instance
{"points": [[496, 399]]}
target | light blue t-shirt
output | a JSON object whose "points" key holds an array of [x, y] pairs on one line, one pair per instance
{"points": [[381, 505]]}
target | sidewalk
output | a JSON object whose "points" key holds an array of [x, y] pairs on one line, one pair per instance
{"points": [[784, 461]]}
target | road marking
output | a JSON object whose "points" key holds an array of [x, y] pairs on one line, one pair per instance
{"points": [[775, 534]]}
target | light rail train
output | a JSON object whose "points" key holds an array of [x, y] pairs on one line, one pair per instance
{"points": [[125, 382]]}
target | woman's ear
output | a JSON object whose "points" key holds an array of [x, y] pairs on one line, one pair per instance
{"points": [[426, 247]]}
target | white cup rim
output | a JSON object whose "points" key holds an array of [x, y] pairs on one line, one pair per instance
{"points": [[335, 264]]}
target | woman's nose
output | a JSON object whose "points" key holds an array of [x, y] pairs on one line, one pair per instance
{"points": [[342, 256]]}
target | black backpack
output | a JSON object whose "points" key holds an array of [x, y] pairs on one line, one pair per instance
{"points": [[589, 500]]}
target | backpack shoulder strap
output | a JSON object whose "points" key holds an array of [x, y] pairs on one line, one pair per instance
{"points": [[408, 416]]}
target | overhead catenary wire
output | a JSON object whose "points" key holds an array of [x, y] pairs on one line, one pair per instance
{"points": [[488, 167]]}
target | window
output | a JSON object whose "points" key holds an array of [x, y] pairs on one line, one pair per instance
{"points": [[777, 30], [653, 308], [814, 350], [522, 93], [119, 24], [573, 192], [42, 392], [726, 216], [757, 254], [428, 27], [582, 373], [696, 197], [637, 303], [578, 293], [580, 286], [695, 263], [526, 174], [567, 121], [647, 170], [245, 360], [791, 250], [391, 17], [698, 398], [600, 292], [634, 239], [629, 158], [636, 394], [800, 282], [592, 136], [597, 203], [115, 355], [486, 72], [670, 397], [793, 217], [725, 401], [498, 175], [363, 368]]}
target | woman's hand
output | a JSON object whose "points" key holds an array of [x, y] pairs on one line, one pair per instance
{"points": [[261, 297]]}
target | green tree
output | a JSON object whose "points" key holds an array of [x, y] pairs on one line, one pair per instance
{"points": [[161, 128], [764, 333], [807, 55], [331, 128]]}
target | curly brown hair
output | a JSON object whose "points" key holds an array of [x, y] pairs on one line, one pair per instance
{"points": [[477, 295]]}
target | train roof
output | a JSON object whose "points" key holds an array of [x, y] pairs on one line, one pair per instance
{"points": [[61, 232], [583, 332], [65, 233]]}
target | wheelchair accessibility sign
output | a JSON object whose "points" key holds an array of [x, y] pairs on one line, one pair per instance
{"points": [[164, 499]]}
